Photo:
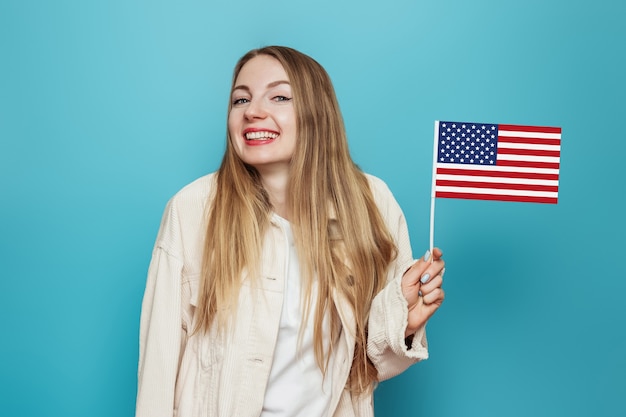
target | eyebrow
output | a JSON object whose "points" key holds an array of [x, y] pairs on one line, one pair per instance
{"points": [[270, 85]]}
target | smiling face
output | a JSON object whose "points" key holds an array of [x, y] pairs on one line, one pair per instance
{"points": [[262, 118]]}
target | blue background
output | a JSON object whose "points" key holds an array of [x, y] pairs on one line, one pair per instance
{"points": [[107, 108]]}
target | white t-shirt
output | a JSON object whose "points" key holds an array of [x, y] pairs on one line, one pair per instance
{"points": [[296, 386]]}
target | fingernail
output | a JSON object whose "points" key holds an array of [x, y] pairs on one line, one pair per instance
{"points": [[443, 271], [419, 293], [425, 278], [427, 255]]}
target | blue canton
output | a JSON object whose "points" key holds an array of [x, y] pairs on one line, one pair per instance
{"points": [[467, 143]]}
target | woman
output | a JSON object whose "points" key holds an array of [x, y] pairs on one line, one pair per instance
{"points": [[283, 284]]}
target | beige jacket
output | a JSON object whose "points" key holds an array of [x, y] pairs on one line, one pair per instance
{"points": [[225, 375]]}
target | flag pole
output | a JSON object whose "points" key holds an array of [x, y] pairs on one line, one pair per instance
{"points": [[432, 191]]}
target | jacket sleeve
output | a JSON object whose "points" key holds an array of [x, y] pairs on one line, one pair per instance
{"points": [[386, 346], [161, 333]]}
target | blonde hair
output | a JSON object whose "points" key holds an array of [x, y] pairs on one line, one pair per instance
{"points": [[342, 241]]}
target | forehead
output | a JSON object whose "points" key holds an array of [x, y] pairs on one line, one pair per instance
{"points": [[261, 70]]}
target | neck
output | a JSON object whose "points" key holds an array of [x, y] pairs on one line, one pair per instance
{"points": [[275, 183]]}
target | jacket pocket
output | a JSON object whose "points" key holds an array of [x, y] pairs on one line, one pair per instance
{"points": [[211, 348], [207, 345]]}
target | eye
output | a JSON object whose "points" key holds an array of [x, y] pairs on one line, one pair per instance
{"points": [[281, 98], [238, 101]]}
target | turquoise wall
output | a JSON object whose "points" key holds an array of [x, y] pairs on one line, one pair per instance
{"points": [[109, 107]]}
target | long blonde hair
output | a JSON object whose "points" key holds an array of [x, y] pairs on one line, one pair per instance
{"points": [[342, 241]]}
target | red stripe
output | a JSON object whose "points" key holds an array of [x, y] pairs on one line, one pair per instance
{"points": [[534, 141], [533, 152], [542, 129], [528, 164], [492, 197], [498, 174], [498, 185]]}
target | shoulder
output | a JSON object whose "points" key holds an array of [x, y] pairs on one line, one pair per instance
{"points": [[195, 192], [184, 213], [385, 201], [379, 188]]}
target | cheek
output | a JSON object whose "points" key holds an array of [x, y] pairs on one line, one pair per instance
{"points": [[288, 121], [234, 127], [231, 124]]}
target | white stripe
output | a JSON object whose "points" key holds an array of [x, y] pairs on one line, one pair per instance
{"points": [[467, 167], [532, 146], [529, 158], [498, 191], [538, 135], [527, 181]]}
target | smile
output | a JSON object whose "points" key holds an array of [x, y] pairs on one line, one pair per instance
{"points": [[260, 135]]}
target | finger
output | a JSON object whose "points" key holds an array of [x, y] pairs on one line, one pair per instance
{"points": [[436, 282], [434, 269], [437, 254], [415, 272], [436, 296]]}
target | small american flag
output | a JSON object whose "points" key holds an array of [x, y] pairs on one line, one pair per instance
{"points": [[485, 161]]}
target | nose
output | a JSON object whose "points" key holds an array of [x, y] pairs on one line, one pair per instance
{"points": [[255, 110]]}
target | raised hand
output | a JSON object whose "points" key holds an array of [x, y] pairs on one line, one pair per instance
{"points": [[421, 286]]}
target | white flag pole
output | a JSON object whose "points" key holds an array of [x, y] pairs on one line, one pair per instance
{"points": [[432, 191]]}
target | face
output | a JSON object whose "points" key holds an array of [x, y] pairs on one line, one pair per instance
{"points": [[262, 120]]}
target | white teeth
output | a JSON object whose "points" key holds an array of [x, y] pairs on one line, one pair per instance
{"points": [[261, 135]]}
